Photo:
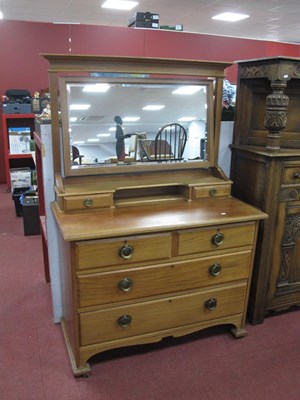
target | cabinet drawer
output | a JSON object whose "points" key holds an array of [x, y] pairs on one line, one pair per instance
{"points": [[109, 287], [171, 312], [214, 239], [211, 191], [127, 250], [92, 202], [291, 175]]}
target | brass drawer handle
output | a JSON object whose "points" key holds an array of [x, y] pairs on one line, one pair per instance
{"points": [[88, 203], [125, 285], [215, 269], [126, 251], [213, 192], [125, 320], [218, 238], [211, 304], [296, 175]]}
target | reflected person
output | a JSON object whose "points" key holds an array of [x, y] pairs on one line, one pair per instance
{"points": [[120, 144]]}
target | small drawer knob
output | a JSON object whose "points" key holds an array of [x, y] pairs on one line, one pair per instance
{"points": [[125, 285], [296, 175], [125, 320], [215, 269], [213, 192], [211, 304], [218, 238], [126, 251], [88, 203]]}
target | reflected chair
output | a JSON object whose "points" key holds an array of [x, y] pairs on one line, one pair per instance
{"points": [[76, 155], [169, 144]]}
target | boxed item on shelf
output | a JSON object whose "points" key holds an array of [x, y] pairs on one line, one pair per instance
{"points": [[20, 177], [16, 108], [144, 20], [19, 140]]}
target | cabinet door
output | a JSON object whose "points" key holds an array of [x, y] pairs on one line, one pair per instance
{"points": [[284, 288]]}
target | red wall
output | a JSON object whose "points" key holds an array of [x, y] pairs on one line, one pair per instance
{"points": [[21, 43]]}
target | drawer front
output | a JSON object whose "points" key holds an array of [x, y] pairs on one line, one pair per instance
{"points": [[214, 239], [211, 191], [99, 253], [141, 318], [110, 287], [92, 202], [291, 175]]}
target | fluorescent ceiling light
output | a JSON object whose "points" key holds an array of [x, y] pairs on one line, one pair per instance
{"points": [[1, 15], [73, 119], [113, 128], [80, 106], [120, 4], [103, 134], [79, 142], [187, 119], [131, 119], [93, 140], [230, 17], [153, 107], [187, 90], [98, 88]]}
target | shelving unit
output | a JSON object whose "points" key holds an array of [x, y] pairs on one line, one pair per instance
{"points": [[16, 160]]}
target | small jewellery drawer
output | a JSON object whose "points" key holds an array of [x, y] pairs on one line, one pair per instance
{"points": [[91, 202], [223, 237], [120, 251], [200, 192], [291, 175], [110, 287], [158, 315]]}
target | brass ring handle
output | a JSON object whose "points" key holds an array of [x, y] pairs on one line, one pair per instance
{"points": [[218, 238], [215, 269], [88, 203], [211, 304], [125, 284], [126, 251], [125, 320], [296, 175], [213, 192]]}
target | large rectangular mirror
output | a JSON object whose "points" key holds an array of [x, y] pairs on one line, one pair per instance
{"points": [[117, 120]]}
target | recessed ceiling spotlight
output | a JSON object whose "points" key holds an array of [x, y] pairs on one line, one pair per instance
{"points": [[230, 17], [120, 4]]}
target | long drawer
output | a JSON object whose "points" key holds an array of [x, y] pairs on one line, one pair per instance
{"points": [[109, 287], [212, 239], [140, 318], [107, 252]]}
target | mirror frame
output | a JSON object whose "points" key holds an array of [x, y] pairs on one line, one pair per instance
{"points": [[63, 68]]}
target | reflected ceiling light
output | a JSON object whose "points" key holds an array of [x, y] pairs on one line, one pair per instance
{"points": [[98, 88], [187, 119], [131, 119], [230, 17], [113, 128], [153, 107], [73, 119], [1, 15], [103, 134], [79, 142], [93, 140], [79, 106], [187, 90], [120, 4]]}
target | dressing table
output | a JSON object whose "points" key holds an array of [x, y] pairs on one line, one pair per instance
{"points": [[147, 249]]}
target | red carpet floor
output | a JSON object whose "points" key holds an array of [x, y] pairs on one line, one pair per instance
{"points": [[209, 365]]}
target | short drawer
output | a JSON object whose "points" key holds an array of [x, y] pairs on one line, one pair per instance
{"points": [[216, 238], [110, 287], [92, 202], [291, 175], [107, 252], [200, 192], [159, 315]]}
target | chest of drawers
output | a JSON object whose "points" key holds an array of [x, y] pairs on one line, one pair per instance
{"points": [[171, 279]]}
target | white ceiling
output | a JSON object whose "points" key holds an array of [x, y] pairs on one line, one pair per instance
{"points": [[272, 20]]}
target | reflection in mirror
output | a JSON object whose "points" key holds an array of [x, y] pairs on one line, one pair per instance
{"points": [[112, 122]]}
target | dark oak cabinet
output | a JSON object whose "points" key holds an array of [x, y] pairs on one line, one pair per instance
{"points": [[265, 170]]}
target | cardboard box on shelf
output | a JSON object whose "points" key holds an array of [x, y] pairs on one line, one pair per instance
{"points": [[20, 177], [19, 140]]}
